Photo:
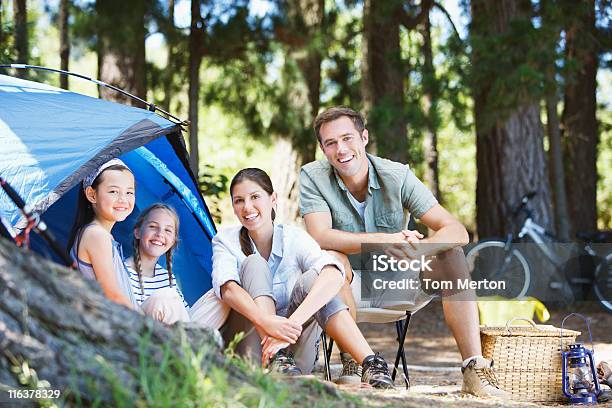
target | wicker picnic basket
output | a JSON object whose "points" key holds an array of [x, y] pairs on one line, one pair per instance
{"points": [[527, 359]]}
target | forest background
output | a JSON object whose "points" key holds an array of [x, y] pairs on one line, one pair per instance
{"points": [[485, 99]]}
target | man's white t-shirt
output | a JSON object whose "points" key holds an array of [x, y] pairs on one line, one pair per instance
{"points": [[359, 206]]}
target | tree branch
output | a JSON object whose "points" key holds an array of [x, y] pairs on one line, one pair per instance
{"points": [[411, 21], [448, 17]]}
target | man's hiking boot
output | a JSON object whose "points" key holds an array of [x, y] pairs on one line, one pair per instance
{"points": [[284, 363], [479, 379], [351, 371], [375, 372]]}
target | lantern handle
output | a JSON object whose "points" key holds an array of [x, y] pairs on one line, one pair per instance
{"points": [[588, 328]]}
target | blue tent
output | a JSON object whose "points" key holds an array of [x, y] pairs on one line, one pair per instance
{"points": [[51, 138]]}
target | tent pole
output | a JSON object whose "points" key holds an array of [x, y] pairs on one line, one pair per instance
{"points": [[150, 106]]}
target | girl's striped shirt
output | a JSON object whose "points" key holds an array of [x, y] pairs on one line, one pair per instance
{"points": [[152, 283]]}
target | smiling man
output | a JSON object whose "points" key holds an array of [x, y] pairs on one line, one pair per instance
{"points": [[353, 198]]}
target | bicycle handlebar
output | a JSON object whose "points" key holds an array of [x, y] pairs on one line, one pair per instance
{"points": [[523, 203]]}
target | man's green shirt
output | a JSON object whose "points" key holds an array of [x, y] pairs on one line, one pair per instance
{"points": [[394, 193]]}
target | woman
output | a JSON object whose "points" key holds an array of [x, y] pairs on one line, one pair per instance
{"points": [[282, 288]]}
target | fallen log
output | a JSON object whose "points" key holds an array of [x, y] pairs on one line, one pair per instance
{"points": [[61, 326], [59, 332]]}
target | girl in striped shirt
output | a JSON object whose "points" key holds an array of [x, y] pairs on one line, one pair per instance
{"points": [[155, 289]]}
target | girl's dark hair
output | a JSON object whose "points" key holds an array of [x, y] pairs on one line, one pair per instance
{"points": [[136, 242], [85, 213], [262, 179]]}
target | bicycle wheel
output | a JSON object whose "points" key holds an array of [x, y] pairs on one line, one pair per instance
{"points": [[603, 282], [490, 260]]}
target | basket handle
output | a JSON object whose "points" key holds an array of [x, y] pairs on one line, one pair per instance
{"points": [[531, 322]]}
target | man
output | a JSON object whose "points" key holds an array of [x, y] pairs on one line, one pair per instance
{"points": [[353, 198]]}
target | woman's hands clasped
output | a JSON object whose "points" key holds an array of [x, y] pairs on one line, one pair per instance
{"points": [[280, 328], [280, 333]]}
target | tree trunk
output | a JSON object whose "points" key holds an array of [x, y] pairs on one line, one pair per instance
{"points": [[430, 100], [1, 26], [20, 21], [121, 49], [285, 180], [305, 21], [170, 66], [196, 35], [382, 84], [509, 141], [580, 128], [557, 179], [63, 327], [64, 41], [551, 29]]}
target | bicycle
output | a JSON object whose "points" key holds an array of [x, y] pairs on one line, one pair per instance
{"points": [[503, 261]]}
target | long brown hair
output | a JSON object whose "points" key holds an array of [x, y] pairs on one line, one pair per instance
{"points": [[136, 242], [261, 178], [85, 213]]}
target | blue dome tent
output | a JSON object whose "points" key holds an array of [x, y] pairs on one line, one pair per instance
{"points": [[51, 138]]}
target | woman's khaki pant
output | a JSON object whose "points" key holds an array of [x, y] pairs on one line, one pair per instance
{"points": [[256, 280]]}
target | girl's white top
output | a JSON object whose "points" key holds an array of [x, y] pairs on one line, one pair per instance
{"points": [[159, 280]]}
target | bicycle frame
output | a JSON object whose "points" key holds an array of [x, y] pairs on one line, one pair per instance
{"points": [[537, 233]]}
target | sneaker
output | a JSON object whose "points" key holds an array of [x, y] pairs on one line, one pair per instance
{"points": [[351, 371], [375, 372], [479, 379], [284, 363]]}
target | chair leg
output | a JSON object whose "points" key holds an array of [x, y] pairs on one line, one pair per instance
{"points": [[402, 328], [330, 348], [326, 356], [327, 352]]}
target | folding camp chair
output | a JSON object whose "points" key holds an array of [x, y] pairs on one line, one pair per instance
{"points": [[400, 314]]}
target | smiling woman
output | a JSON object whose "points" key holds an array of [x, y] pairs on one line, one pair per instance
{"points": [[282, 288]]}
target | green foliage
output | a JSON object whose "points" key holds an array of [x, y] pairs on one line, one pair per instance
{"points": [[28, 378], [253, 90], [453, 82], [214, 186], [510, 59], [340, 70], [187, 378], [226, 146], [453, 122], [604, 168], [241, 88], [7, 51]]}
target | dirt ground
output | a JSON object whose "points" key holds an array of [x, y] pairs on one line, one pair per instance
{"points": [[434, 361]]}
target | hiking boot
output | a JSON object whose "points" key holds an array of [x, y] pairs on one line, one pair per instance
{"points": [[479, 379], [375, 372], [351, 371], [284, 363]]}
